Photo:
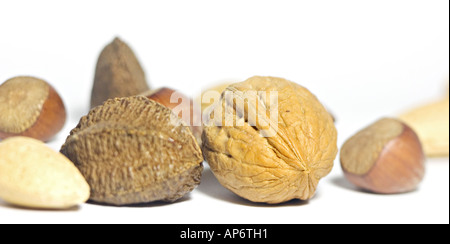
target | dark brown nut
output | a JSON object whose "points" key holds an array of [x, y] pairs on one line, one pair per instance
{"points": [[179, 103], [134, 150], [30, 107], [118, 74], [265, 158], [386, 157]]}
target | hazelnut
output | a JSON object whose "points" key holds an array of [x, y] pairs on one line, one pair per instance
{"points": [[178, 103], [30, 107], [386, 157]]}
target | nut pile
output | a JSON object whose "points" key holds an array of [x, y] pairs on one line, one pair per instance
{"points": [[266, 139]]}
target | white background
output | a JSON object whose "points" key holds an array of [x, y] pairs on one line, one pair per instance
{"points": [[363, 59]]}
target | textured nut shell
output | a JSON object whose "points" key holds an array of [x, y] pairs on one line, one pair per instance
{"points": [[33, 175], [118, 74], [134, 150], [193, 119], [206, 101], [398, 167], [273, 169], [36, 110], [431, 123], [21, 102]]}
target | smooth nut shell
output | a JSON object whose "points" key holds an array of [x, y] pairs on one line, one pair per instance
{"points": [[431, 123], [399, 167], [33, 175]]}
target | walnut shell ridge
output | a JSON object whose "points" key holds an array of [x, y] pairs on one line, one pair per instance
{"points": [[285, 165]]}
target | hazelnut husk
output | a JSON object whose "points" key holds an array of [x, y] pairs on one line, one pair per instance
{"points": [[386, 157], [30, 107]]}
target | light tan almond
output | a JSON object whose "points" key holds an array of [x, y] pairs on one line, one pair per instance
{"points": [[33, 175], [431, 123]]}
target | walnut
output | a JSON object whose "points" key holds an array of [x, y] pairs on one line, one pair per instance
{"points": [[269, 140]]}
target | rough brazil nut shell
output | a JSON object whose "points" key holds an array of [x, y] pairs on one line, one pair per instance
{"points": [[118, 74], [33, 175], [135, 150], [386, 157], [179, 102], [286, 164], [30, 107]]}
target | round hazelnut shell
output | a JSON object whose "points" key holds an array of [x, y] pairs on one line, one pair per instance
{"points": [[399, 168], [50, 121]]}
